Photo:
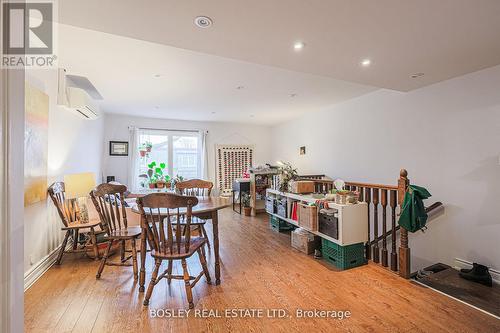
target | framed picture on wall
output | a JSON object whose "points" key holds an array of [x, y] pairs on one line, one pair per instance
{"points": [[118, 148]]}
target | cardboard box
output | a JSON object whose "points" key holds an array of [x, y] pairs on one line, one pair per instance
{"points": [[301, 186]]}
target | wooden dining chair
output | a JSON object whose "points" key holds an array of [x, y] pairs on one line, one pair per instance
{"points": [[161, 213], [199, 188], [69, 213], [109, 201]]}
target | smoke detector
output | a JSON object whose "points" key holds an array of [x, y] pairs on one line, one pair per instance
{"points": [[203, 22]]}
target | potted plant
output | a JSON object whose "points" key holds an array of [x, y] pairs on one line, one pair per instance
{"points": [[148, 146], [143, 150], [287, 174], [155, 175], [161, 177], [245, 201]]}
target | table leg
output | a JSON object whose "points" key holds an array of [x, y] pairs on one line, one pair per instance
{"points": [[239, 198], [215, 227], [142, 273]]}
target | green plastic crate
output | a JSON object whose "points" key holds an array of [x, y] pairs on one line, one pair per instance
{"points": [[278, 224], [343, 257]]}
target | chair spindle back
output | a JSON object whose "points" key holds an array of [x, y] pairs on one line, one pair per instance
{"points": [[109, 200], [195, 187], [67, 209], [158, 208]]}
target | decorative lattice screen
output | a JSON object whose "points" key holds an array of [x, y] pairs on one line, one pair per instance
{"points": [[231, 162]]}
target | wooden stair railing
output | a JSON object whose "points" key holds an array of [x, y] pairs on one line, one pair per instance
{"points": [[381, 199], [322, 184], [429, 210]]}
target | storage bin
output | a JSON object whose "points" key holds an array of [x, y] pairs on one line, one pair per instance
{"points": [[343, 257], [328, 222], [308, 216], [304, 241], [281, 207], [270, 205], [278, 224]]}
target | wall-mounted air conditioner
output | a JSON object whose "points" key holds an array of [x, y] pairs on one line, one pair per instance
{"points": [[78, 94], [79, 101]]}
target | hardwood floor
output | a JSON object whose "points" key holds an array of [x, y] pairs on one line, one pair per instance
{"points": [[259, 271]]}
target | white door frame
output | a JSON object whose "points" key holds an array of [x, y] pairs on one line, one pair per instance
{"points": [[11, 198]]}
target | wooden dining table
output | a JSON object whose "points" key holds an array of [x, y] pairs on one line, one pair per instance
{"points": [[206, 209]]}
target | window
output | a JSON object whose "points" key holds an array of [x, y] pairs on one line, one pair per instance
{"points": [[180, 151]]}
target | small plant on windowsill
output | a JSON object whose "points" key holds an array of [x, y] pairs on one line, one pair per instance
{"points": [[245, 201], [149, 178], [161, 178], [176, 179]]}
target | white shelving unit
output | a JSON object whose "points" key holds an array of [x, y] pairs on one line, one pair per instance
{"points": [[352, 218]]}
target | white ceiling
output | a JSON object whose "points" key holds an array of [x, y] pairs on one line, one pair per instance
{"points": [[192, 85], [442, 39]]}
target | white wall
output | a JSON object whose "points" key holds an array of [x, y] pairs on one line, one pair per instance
{"points": [[446, 135], [74, 146], [218, 133]]}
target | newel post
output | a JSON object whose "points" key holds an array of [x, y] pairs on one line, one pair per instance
{"points": [[404, 250]]}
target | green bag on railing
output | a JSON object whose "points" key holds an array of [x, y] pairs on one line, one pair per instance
{"points": [[413, 216]]}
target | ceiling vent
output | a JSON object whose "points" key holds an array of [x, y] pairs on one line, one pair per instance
{"points": [[203, 21]]}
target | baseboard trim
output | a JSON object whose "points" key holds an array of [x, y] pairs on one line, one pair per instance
{"points": [[461, 263], [36, 272]]}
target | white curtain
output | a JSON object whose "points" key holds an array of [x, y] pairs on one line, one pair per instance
{"points": [[133, 176], [204, 154]]}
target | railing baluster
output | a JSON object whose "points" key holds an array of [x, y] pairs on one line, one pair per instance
{"points": [[376, 252], [384, 227], [394, 255], [368, 199]]}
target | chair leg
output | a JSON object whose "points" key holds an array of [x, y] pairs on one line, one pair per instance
{"points": [[94, 243], [187, 282], [122, 250], [169, 271], [205, 234], [134, 258], [203, 262], [63, 247], [152, 282], [75, 240], [103, 260]]}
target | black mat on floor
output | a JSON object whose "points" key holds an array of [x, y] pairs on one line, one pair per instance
{"points": [[449, 282]]}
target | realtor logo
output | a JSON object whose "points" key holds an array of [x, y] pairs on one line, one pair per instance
{"points": [[28, 34]]}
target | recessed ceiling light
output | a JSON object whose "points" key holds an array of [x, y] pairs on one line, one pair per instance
{"points": [[240, 87], [203, 21], [366, 62], [417, 75], [251, 116], [297, 46], [293, 95]]}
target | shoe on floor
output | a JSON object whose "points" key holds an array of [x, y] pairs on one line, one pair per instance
{"points": [[478, 273]]}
